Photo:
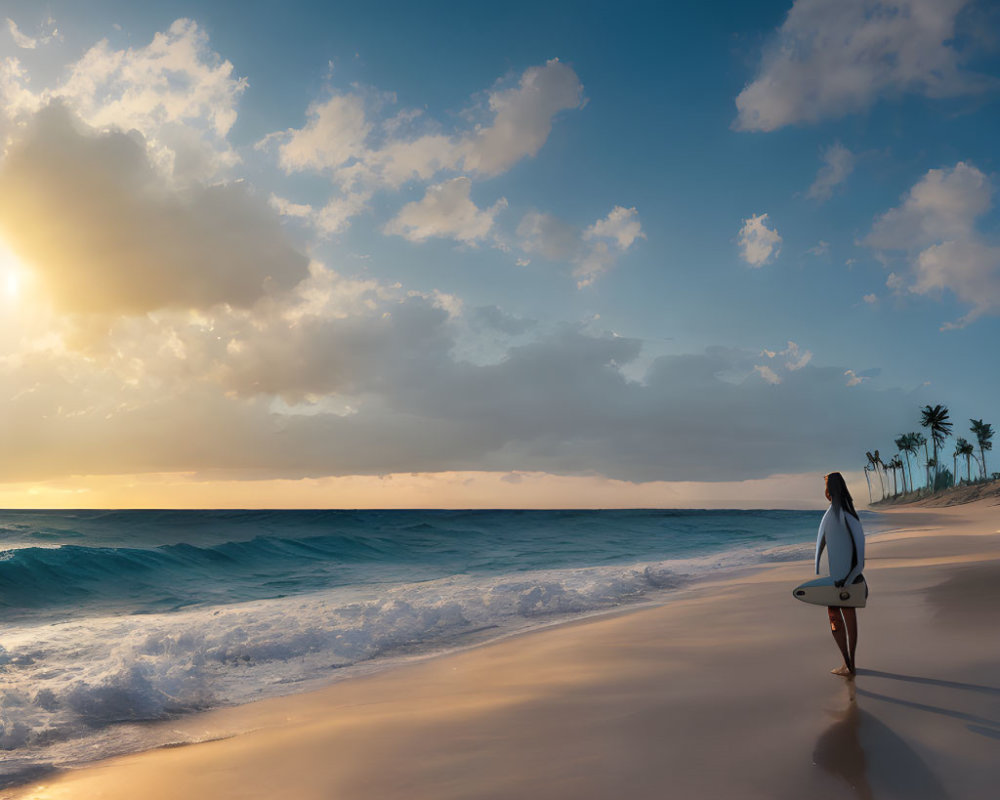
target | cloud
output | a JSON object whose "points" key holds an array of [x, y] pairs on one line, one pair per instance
{"points": [[592, 251], [768, 374], [838, 163], [794, 359], [48, 32], [548, 236], [821, 248], [494, 318], [935, 227], [758, 244], [857, 378], [970, 269], [622, 225], [835, 57], [287, 208], [368, 384], [345, 139], [446, 210], [942, 205], [870, 299], [104, 232], [522, 118], [176, 91], [341, 376], [334, 135]]}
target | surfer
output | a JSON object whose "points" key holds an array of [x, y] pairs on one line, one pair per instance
{"points": [[840, 533]]}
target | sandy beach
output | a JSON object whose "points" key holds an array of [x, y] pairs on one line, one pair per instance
{"points": [[723, 692]]}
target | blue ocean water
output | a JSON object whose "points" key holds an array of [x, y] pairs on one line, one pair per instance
{"points": [[112, 618]]}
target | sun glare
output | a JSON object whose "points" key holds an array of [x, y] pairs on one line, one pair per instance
{"points": [[11, 273]]}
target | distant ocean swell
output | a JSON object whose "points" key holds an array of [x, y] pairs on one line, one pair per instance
{"points": [[96, 638]]}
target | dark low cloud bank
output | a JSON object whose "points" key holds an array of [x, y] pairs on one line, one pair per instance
{"points": [[559, 404]]}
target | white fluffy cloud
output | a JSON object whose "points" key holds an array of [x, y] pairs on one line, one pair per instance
{"points": [[838, 163], [105, 232], [176, 91], [334, 135], [943, 205], [522, 118], [834, 57], [345, 139], [622, 225], [592, 251], [935, 227], [758, 243], [446, 210]]}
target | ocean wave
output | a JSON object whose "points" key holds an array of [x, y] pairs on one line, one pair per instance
{"points": [[133, 622], [64, 682], [236, 556], [170, 576]]}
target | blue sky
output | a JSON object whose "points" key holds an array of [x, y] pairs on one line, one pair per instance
{"points": [[535, 233]]}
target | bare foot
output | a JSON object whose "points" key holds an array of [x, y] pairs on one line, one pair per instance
{"points": [[843, 671]]}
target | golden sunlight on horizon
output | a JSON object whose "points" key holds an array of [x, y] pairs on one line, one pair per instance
{"points": [[454, 490]]}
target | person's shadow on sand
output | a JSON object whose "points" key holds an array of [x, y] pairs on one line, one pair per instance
{"points": [[975, 723], [861, 750]]}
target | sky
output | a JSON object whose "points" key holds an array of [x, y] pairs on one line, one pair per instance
{"points": [[479, 255]]}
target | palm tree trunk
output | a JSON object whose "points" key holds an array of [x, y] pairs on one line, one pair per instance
{"points": [[904, 473], [936, 467], [869, 484]]}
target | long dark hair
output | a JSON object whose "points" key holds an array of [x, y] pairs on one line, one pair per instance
{"points": [[840, 497]]}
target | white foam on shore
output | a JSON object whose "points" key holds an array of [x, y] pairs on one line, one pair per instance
{"points": [[73, 692]]}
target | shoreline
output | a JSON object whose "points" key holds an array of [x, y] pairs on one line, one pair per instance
{"points": [[591, 682]]}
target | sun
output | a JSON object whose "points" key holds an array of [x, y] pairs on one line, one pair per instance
{"points": [[12, 273]]}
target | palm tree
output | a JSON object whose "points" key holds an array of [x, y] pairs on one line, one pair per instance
{"points": [[869, 480], [919, 440], [897, 463], [907, 443], [900, 443], [936, 418], [984, 436], [875, 462], [965, 448], [880, 465]]}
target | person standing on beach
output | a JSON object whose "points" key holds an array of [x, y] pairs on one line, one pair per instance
{"points": [[840, 533]]}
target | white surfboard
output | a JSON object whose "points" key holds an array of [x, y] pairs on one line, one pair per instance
{"points": [[822, 592]]}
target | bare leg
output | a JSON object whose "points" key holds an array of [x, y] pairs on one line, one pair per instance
{"points": [[851, 623], [840, 637]]}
